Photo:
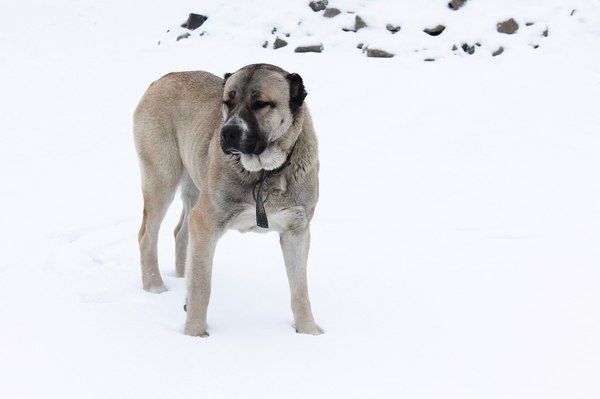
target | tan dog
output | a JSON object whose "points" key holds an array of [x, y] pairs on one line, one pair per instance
{"points": [[244, 152]]}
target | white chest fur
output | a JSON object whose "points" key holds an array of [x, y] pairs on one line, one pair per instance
{"points": [[281, 220]]}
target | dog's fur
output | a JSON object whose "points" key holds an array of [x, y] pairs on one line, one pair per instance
{"points": [[213, 138]]}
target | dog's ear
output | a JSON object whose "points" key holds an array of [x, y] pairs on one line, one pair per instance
{"points": [[225, 77], [297, 92]]}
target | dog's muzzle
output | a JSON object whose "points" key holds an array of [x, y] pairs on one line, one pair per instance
{"points": [[235, 140]]}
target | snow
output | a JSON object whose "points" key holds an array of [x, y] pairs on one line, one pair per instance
{"points": [[455, 246]]}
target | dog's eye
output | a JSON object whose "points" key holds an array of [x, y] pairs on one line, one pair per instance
{"points": [[228, 103], [261, 104]]}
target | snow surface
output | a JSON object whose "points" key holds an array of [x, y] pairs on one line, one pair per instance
{"points": [[455, 248]]}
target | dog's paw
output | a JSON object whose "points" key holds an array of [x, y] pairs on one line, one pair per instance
{"points": [[155, 288], [196, 330], [310, 328]]}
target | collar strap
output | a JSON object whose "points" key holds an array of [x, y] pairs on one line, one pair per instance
{"points": [[262, 183]]}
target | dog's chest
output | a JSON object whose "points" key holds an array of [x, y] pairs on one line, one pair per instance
{"points": [[282, 219]]}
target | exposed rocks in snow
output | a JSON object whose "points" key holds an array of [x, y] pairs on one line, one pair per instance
{"points": [[498, 52], [385, 38], [359, 23], [456, 4], [318, 5], [331, 12], [309, 49], [469, 49], [377, 53], [279, 43], [435, 31], [393, 28], [183, 36], [509, 26], [194, 21]]}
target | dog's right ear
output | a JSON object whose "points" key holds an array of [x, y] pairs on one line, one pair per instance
{"points": [[225, 77]]}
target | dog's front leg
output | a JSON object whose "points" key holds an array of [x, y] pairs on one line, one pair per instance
{"points": [[295, 245], [203, 236]]}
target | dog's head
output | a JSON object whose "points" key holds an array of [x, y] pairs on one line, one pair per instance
{"points": [[260, 103]]}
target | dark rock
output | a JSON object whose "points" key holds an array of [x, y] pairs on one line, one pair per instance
{"points": [[194, 21], [359, 23], [456, 4], [429, 59], [573, 12], [376, 53], [529, 23], [273, 31], [545, 33], [435, 31], [331, 12], [509, 26], [454, 47], [393, 28], [498, 52], [468, 49], [265, 44], [279, 43], [318, 5], [309, 49], [183, 36], [360, 46]]}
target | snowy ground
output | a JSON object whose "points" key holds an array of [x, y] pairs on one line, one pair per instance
{"points": [[454, 252]]}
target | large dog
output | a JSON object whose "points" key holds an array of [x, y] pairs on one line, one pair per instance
{"points": [[244, 152]]}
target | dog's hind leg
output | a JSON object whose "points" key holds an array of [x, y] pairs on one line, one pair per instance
{"points": [[160, 178], [189, 196]]}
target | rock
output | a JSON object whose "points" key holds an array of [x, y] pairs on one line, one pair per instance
{"points": [[318, 5], [376, 53], [360, 46], [429, 59], [265, 44], [359, 23], [435, 31], [529, 23], [456, 4], [454, 47], [509, 26], [331, 12], [545, 33], [194, 21], [279, 43], [468, 49], [393, 28], [183, 36], [309, 49], [498, 52]]}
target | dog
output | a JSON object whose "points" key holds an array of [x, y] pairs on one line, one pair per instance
{"points": [[243, 151]]}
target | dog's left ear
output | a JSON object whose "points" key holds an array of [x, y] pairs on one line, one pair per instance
{"points": [[225, 77], [297, 92]]}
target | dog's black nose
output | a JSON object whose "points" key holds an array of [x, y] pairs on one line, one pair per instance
{"points": [[230, 139]]}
